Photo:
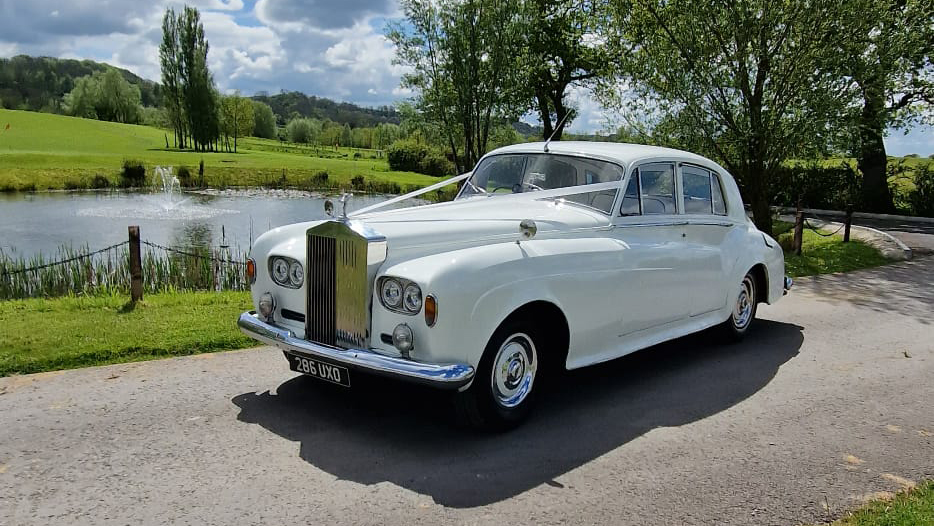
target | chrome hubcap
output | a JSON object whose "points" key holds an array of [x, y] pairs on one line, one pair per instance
{"points": [[514, 370], [742, 312]]}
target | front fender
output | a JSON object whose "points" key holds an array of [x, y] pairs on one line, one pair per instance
{"points": [[479, 287]]}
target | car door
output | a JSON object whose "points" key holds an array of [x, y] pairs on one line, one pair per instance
{"points": [[706, 230], [654, 288]]}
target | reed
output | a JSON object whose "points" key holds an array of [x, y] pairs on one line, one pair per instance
{"points": [[82, 273]]}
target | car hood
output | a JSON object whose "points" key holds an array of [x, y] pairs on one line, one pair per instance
{"points": [[478, 220]]}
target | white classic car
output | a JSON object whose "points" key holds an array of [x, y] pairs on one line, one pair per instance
{"points": [[551, 256]]}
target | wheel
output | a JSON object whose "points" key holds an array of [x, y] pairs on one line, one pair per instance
{"points": [[744, 309], [504, 387]]}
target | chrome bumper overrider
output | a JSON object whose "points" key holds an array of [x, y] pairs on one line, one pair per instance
{"points": [[448, 376], [788, 284]]}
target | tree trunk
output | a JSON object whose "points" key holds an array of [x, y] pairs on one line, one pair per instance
{"points": [[872, 161], [761, 211]]}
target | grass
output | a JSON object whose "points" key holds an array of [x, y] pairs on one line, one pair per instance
{"points": [[49, 334], [825, 255], [43, 151], [912, 508]]}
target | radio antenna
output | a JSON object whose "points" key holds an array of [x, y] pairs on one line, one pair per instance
{"points": [[555, 132]]}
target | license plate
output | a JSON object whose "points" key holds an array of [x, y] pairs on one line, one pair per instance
{"points": [[323, 371]]}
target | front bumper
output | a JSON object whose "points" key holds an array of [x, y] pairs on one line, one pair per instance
{"points": [[443, 376]]}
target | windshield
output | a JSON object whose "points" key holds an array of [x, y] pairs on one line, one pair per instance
{"points": [[529, 172]]}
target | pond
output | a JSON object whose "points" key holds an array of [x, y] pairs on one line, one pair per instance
{"points": [[43, 222]]}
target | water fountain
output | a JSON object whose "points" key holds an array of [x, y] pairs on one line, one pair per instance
{"points": [[167, 189], [166, 201]]}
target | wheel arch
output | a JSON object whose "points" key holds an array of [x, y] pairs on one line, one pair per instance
{"points": [[548, 317], [761, 276]]}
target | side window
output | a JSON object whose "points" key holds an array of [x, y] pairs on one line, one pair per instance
{"points": [[631, 205], [719, 205], [657, 188], [697, 190]]}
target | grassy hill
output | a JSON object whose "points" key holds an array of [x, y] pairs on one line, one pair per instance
{"points": [[45, 151]]}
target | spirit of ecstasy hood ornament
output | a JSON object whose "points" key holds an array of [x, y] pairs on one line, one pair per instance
{"points": [[329, 205]]}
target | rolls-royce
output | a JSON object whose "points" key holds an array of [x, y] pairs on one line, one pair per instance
{"points": [[552, 256]]}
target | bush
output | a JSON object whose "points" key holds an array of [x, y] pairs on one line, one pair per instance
{"points": [[436, 164], [410, 156], [828, 187], [185, 179], [133, 174], [912, 156], [27, 187], [406, 155], [358, 183], [99, 181], [319, 180], [922, 197], [71, 184]]}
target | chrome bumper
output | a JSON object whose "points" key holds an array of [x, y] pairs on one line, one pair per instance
{"points": [[449, 376], [788, 284]]}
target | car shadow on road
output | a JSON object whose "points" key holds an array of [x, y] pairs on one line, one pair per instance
{"points": [[386, 431]]}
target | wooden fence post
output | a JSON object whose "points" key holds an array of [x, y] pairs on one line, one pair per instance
{"points": [[849, 221], [799, 229], [136, 266]]}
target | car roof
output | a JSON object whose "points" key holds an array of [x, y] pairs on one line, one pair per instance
{"points": [[621, 152]]}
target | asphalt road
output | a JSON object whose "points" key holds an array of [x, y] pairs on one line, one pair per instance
{"points": [[828, 402]]}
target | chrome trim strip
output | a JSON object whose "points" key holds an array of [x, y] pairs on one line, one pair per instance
{"points": [[443, 376]]}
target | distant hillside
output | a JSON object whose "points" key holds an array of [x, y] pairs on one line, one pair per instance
{"points": [[286, 104], [39, 83]]}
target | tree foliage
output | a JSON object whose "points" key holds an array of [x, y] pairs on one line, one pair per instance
{"points": [[237, 119], [745, 82], [463, 67], [105, 96], [887, 49], [563, 47], [190, 94], [264, 121]]}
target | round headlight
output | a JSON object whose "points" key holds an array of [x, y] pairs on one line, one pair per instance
{"points": [[391, 293], [280, 271], [296, 274], [412, 297]]}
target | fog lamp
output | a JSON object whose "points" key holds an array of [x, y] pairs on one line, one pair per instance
{"points": [[403, 338], [267, 304]]}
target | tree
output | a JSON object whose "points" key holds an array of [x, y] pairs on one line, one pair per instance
{"points": [[199, 95], [562, 49], [463, 67], [887, 50], [346, 135], [108, 96], [82, 100], [264, 122], [745, 82], [118, 100], [236, 118], [170, 61]]}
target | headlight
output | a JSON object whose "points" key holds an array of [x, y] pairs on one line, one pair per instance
{"points": [[391, 293], [412, 298], [286, 272], [296, 274], [400, 295]]}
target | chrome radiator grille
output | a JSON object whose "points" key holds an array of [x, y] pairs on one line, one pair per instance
{"points": [[319, 325], [338, 294]]}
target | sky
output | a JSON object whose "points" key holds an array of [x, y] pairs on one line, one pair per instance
{"points": [[329, 48]]}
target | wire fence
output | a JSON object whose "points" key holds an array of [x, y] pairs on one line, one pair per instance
{"points": [[107, 271]]}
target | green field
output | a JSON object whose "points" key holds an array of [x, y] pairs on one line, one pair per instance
{"points": [[83, 331], [910, 508], [45, 151]]}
